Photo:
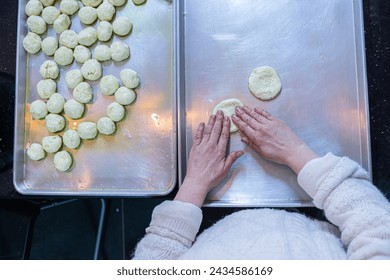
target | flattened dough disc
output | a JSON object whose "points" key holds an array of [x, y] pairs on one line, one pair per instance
{"points": [[227, 107], [264, 83]]}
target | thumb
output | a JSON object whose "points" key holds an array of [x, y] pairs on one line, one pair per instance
{"points": [[232, 158]]}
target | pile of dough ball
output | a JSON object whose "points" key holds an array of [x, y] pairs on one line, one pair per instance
{"points": [[65, 48]]}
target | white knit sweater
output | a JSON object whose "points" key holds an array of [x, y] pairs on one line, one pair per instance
{"points": [[360, 215]]}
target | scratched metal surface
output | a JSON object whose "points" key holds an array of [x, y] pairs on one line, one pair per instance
{"points": [[140, 159], [317, 47]]}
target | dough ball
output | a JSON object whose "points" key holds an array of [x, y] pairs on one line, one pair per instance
{"points": [[47, 2], [92, 3], [81, 54], [105, 11], [49, 70], [73, 78], [62, 161], [69, 7], [74, 109], [63, 56], [36, 152], [68, 38], [36, 24], [49, 14], [102, 53], [87, 15], [227, 107], [87, 36], [38, 109], [46, 88], [87, 130], [55, 104], [129, 78], [33, 8], [109, 84], [122, 26], [264, 83], [49, 45], [82, 92], [116, 111], [91, 70], [104, 31], [51, 144], [139, 2], [106, 126], [124, 96], [61, 23], [71, 139], [117, 3], [32, 43], [119, 51], [54, 122]]}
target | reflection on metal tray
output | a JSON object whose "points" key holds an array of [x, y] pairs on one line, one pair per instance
{"points": [[317, 48], [140, 159]]}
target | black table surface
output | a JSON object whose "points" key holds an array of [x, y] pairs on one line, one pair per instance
{"points": [[377, 40]]}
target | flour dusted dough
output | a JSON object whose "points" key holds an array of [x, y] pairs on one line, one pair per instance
{"points": [[102, 53], [69, 7], [92, 3], [139, 2], [87, 130], [35, 152], [54, 122], [49, 14], [49, 70], [109, 84], [122, 26], [38, 109], [61, 23], [125, 96], [82, 92], [68, 38], [117, 3], [36, 24], [74, 109], [71, 139], [73, 78], [32, 43], [106, 126], [91, 70], [51, 144], [115, 111], [46, 88], [105, 11], [62, 161], [104, 31], [87, 36], [119, 51], [63, 56], [49, 45], [227, 107], [81, 54], [264, 83], [55, 104], [33, 8], [129, 78], [47, 2], [87, 15]]}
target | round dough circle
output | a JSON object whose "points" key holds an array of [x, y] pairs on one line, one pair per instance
{"points": [[82, 92], [36, 151], [61, 23], [49, 45], [51, 144], [104, 31], [105, 11], [139, 2], [38, 109], [73, 78], [81, 54], [46, 88], [106, 126], [36, 24], [91, 70], [109, 84], [55, 104], [264, 83], [32, 43], [92, 3], [54, 122], [227, 107], [49, 70], [102, 53], [74, 109], [62, 161], [125, 96], [119, 51], [87, 36], [122, 26], [68, 38], [117, 3], [33, 8], [129, 78], [87, 130], [63, 56], [71, 139], [87, 15], [115, 111], [49, 14], [47, 2], [69, 7]]}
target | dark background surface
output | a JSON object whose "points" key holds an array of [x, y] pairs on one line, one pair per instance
{"points": [[43, 228]]}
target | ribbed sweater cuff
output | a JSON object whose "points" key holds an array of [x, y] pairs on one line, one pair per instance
{"points": [[181, 218]]}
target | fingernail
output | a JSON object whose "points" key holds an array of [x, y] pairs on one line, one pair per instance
{"points": [[240, 153], [246, 108], [219, 112], [234, 116], [238, 109], [227, 119]]}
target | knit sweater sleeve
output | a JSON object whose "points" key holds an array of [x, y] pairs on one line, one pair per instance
{"points": [[171, 232], [341, 187]]}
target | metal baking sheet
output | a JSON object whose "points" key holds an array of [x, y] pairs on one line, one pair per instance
{"points": [[141, 158], [317, 47]]}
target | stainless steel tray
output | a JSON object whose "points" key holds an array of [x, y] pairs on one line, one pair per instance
{"points": [[141, 158], [318, 49]]}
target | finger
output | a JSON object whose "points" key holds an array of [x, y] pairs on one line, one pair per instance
{"points": [[264, 113], [225, 135], [251, 112], [244, 127], [199, 134], [209, 128], [231, 159], [217, 128], [253, 123]]}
